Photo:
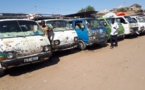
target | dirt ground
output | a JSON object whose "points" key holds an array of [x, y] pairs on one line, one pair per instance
{"points": [[96, 68]]}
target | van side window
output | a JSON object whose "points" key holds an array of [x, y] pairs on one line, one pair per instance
{"points": [[134, 19], [9, 26], [103, 22], [121, 20], [78, 24]]}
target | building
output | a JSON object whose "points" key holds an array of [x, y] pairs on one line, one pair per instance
{"points": [[135, 7], [129, 10]]}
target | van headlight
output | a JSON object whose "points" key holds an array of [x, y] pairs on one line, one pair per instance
{"points": [[101, 31], [142, 28], [10, 55], [56, 42], [75, 39], [94, 37], [91, 38], [46, 48]]}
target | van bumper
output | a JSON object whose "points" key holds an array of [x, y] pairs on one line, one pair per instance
{"points": [[103, 39], [26, 60], [100, 40], [142, 30], [134, 31], [65, 46]]}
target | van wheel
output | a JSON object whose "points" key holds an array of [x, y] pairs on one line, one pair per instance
{"points": [[1, 72], [82, 45]]}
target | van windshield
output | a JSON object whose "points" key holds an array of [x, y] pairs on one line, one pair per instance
{"points": [[109, 21], [93, 23], [20, 28], [59, 25], [141, 19], [129, 19]]}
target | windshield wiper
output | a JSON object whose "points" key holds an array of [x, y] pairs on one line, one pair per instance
{"points": [[59, 30], [38, 35], [20, 36]]}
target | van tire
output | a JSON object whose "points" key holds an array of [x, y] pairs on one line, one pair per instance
{"points": [[82, 45], [1, 72]]}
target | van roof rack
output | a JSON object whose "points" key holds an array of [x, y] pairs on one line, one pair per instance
{"points": [[30, 16], [46, 16], [13, 16]]}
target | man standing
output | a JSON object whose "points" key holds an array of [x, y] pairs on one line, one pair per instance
{"points": [[114, 33]]}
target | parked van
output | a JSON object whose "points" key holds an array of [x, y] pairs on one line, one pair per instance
{"points": [[141, 23], [22, 42], [64, 37], [107, 23], [90, 31], [130, 25]]}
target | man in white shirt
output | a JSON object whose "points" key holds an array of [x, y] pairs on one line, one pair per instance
{"points": [[114, 33]]}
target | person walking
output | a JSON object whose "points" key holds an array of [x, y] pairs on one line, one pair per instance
{"points": [[114, 33]]}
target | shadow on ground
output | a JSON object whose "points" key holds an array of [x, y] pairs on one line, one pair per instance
{"points": [[65, 52], [16, 71], [97, 46], [131, 36]]}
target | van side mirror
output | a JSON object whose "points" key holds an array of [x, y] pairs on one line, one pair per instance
{"points": [[105, 24]]}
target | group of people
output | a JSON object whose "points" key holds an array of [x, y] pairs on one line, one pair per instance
{"points": [[113, 35]]}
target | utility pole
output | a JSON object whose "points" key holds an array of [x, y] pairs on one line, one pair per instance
{"points": [[35, 9]]}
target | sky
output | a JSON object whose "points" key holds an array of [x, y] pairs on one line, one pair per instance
{"points": [[62, 7]]}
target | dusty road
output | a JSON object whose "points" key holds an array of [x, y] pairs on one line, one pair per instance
{"points": [[97, 68]]}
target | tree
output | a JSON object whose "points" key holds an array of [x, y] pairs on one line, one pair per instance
{"points": [[82, 10], [88, 8], [139, 11]]}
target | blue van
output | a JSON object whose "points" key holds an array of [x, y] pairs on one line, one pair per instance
{"points": [[90, 31]]}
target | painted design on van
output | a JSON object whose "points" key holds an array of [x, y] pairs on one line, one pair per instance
{"points": [[2, 56], [23, 46]]}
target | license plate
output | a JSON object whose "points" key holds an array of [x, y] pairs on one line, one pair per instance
{"points": [[31, 59]]}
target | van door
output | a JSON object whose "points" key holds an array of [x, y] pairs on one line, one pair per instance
{"points": [[107, 25], [65, 37], [125, 25], [81, 30], [121, 29], [139, 24]]}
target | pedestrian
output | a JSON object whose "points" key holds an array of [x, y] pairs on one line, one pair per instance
{"points": [[114, 33], [48, 31]]}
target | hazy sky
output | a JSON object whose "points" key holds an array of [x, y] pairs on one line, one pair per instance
{"points": [[61, 6]]}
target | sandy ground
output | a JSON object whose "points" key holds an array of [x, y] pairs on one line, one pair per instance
{"points": [[96, 68]]}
